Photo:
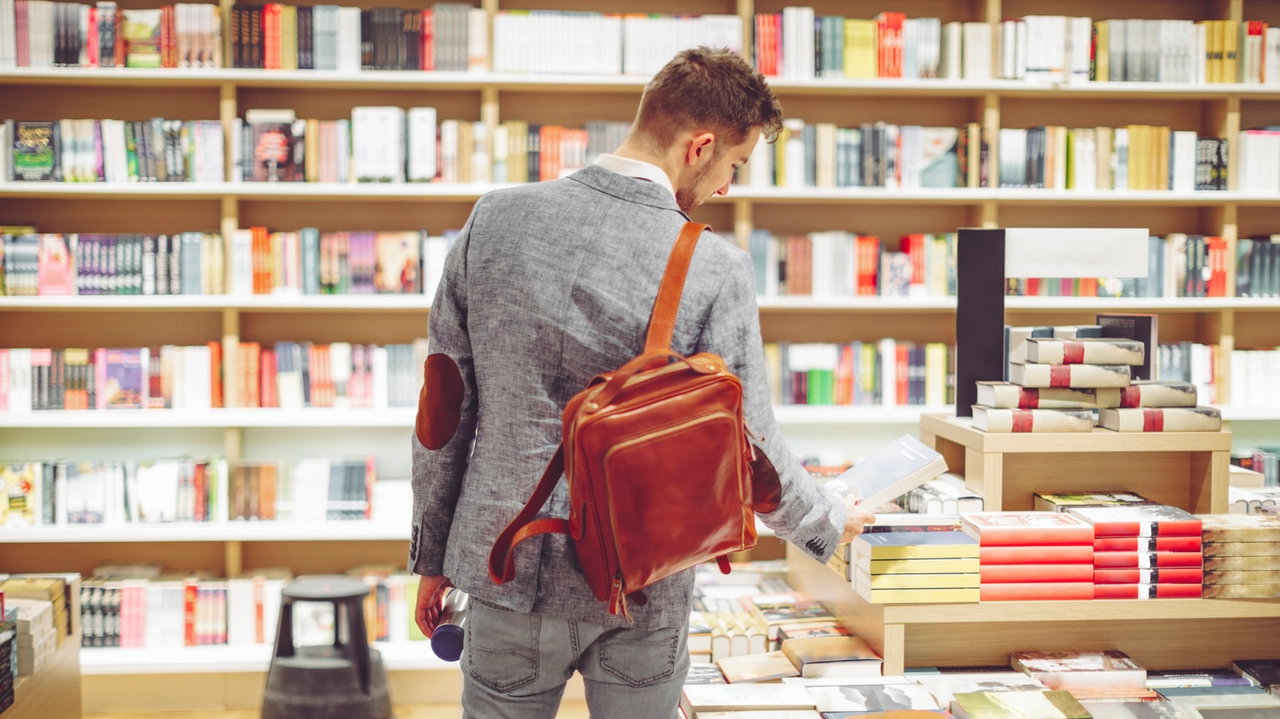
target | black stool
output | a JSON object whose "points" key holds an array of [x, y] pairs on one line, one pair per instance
{"points": [[343, 681]]}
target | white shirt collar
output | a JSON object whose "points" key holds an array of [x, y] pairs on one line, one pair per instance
{"points": [[636, 168]]}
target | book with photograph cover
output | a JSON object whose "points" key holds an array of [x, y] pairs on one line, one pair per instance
{"points": [[872, 698], [1107, 670], [1018, 705], [832, 656]]}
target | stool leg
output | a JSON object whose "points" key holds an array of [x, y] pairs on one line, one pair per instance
{"points": [[358, 641], [284, 629]]}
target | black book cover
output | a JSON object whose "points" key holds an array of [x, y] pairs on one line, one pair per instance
{"points": [[535, 152], [237, 47], [1144, 328], [306, 44], [980, 285], [366, 39], [59, 34], [75, 44], [413, 39], [254, 38], [401, 26], [303, 353], [1244, 267], [175, 264], [59, 380]]}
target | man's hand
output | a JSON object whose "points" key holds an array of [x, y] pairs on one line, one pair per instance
{"points": [[430, 591], [859, 516]]}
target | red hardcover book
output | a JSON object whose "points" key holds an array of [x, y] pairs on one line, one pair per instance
{"points": [[1026, 529], [200, 487], [1179, 575], [760, 55], [1147, 544], [120, 43], [1146, 520], [1070, 554], [189, 588], [1146, 560], [1043, 591], [91, 39], [1218, 266], [267, 382], [215, 374], [1147, 591], [426, 61], [271, 36], [775, 43], [1034, 573]]}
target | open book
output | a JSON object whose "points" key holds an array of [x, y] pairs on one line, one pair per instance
{"points": [[891, 472]]}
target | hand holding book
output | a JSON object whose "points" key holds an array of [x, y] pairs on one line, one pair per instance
{"points": [[858, 514]]}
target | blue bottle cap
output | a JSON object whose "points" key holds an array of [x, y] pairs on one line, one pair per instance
{"points": [[446, 642]]}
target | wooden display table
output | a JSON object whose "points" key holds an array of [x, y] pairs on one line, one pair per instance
{"points": [[1181, 469], [1158, 633], [54, 691]]}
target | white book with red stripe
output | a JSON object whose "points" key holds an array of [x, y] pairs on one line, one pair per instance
{"points": [[1167, 419], [1002, 421], [1084, 351], [1073, 376], [1158, 394], [1006, 395]]}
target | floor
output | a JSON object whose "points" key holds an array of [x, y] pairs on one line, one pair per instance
{"points": [[568, 710]]}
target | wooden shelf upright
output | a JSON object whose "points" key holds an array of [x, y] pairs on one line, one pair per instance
{"points": [[1182, 469], [1188, 470]]}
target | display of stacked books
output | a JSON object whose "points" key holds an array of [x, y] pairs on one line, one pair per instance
{"points": [[1075, 378], [1144, 575], [915, 567], [1032, 555], [1241, 556], [1087, 675]]}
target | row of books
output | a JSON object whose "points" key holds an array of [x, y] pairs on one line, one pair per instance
{"points": [[1260, 159], [187, 263], [1255, 378], [1178, 265], [184, 489], [797, 44], [115, 151], [39, 33], [1263, 462], [450, 37], [193, 263], [1075, 50], [842, 264], [288, 375], [1136, 157], [1032, 684], [887, 373], [603, 43], [870, 155]]}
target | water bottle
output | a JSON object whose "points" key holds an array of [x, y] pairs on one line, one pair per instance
{"points": [[446, 640]]}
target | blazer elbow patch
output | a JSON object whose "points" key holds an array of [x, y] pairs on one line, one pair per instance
{"points": [[439, 402], [766, 486]]}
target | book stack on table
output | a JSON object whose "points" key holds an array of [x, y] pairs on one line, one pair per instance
{"points": [[1124, 574], [915, 567], [1032, 555], [1076, 378], [1241, 556]]}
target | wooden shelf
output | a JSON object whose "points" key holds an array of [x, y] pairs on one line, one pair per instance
{"points": [[396, 656], [383, 79], [310, 418], [1183, 469], [469, 192], [1159, 634], [353, 531], [783, 304]]}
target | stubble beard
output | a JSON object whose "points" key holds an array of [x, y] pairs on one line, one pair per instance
{"points": [[687, 196]]}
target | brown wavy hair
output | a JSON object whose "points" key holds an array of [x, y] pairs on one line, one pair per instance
{"points": [[707, 88]]}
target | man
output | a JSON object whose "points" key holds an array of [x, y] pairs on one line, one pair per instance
{"points": [[548, 286]]}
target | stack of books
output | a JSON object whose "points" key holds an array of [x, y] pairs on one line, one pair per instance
{"points": [[1032, 555], [1154, 574], [823, 653], [37, 635], [915, 567], [1260, 673], [1242, 556], [8, 654]]}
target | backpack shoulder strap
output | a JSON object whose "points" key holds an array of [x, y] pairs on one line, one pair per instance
{"points": [[662, 323], [502, 566]]}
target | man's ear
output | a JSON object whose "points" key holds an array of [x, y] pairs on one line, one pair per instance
{"points": [[699, 147]]}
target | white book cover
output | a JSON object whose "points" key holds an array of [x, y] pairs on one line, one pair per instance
{"points": [[477, 40], [754, 697], [951, 66], [891, 472], [422, 144], [873, 698], [1184, 161], [348, 39], [888, 373], [378, 144], [242, 618], [8, 37], [434, 252], [977, 51], [1271, 68], [380, 378]]}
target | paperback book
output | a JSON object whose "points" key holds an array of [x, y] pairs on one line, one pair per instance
{"points": [[1032, 420]]}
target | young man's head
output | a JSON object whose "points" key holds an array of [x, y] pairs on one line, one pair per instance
{"points": [[703, 115]]}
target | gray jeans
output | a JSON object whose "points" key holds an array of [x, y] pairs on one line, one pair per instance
{"points": [[516, 666]]}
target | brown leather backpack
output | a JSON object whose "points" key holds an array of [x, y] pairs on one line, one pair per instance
{"points": [[658, 462]]}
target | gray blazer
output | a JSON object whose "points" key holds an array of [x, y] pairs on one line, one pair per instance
{"points": [[548, 285]]}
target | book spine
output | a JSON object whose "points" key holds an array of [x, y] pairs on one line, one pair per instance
{"points": [[1149, 576]]}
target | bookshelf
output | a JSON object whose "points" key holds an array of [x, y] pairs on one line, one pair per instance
{"points": [[215, 677]]}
